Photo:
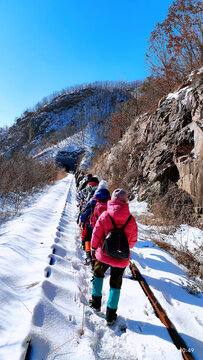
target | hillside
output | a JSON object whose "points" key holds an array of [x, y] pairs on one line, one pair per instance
{"points": [[64, 116], [61, 129]]}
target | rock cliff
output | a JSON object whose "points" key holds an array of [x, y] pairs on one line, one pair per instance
{"points": [[166, 146]]}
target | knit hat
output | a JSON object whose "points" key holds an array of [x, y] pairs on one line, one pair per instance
{"points": [[119, 194], [103, 185]]}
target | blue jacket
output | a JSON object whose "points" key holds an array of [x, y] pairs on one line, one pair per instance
{"points": [[101, 194]]}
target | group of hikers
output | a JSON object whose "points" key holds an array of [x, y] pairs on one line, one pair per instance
{"points": [[108, 232]]}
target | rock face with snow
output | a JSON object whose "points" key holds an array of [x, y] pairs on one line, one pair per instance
{"points": [[175, 141], [169, 144]]}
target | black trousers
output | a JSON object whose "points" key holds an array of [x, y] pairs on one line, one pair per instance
{"points": [[116, 273], [88, 235]]}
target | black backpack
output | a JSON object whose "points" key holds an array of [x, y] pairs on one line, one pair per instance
{"points": [[116, 242]]}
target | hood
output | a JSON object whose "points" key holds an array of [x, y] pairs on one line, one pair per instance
{"points": [[118, 210]]}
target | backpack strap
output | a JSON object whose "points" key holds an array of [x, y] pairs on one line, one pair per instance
{"points": [[126, 223], [123, 227], [113, 222]]}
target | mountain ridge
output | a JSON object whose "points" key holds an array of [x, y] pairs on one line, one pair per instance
{"points": [[63, 116]]}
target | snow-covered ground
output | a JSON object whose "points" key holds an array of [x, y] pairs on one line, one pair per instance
{"points": [[45, 290], [184, 237]]}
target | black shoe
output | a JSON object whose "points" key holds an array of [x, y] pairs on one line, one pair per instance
{"points": [[88, 259], [83, 244], [95, 303], [111, 316]]}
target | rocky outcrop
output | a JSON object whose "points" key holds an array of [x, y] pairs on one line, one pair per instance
{"points": [[175, 141], [167, 146]]}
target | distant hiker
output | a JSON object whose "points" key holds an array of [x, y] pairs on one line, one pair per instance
{"points": [[86, 193], [118, 215], [79, 177], [90, 214], [85, 181], [101, 196]]}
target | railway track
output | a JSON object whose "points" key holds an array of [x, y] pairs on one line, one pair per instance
{"points": [[161, 314], [59, 228], [159, 311]]}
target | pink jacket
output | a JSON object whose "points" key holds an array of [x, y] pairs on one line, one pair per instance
{"points": [[120, 213]]}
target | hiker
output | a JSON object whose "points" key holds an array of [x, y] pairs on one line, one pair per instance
{"points": [[101, 196], [119, 214], [89, 216], [79, 177], [85, 181], [86, 193], [83, 188]]}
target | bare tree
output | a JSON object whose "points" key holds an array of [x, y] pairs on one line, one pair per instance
{"points": [[176, 45]]}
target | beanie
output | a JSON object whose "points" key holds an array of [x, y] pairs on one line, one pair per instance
{"points": [[119, 194], [103, 185]]}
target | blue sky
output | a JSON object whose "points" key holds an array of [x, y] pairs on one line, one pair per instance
{"points": [[47, 45]]}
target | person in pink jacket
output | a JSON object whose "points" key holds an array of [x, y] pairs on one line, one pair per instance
{"points": [[118, 209]]}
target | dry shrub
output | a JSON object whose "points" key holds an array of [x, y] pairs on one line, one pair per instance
{"points": [[114, 171], [61, 174], [97, 158], [184, 257], [150, 220], [175, 207], [121, 170], [21, 176]]}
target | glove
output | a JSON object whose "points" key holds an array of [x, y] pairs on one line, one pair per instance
{"points": [[81, 224], [93, 254]]}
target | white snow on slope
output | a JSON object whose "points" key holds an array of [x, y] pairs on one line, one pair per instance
{"points": [[83, 141], [62, 325], [176, 94], [139, 207], [79, 139], [25, 244]]}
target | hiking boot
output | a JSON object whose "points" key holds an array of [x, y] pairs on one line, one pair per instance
{"points": [[111, 316], [95, 303], [88, 259]]}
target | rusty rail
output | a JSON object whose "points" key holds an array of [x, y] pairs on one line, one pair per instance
{"points": [[176, 338]]}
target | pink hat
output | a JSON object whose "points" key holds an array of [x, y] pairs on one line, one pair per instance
{"points": [[119, 194]]}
